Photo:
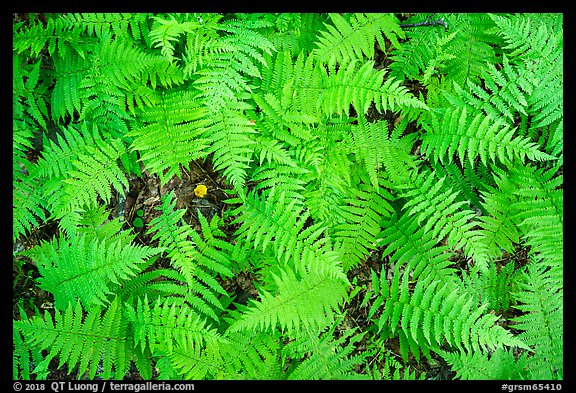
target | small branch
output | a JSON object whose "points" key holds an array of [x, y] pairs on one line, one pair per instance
{"points": [[427, 22]]}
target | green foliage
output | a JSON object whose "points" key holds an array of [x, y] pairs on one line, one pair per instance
{"points": [[82, 342], [198, 258], [394, 195]]}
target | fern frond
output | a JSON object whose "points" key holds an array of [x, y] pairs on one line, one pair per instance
{"points": [[227, 76], [70, 70], [406, 242], [165, 32], [271, 220], [252, 355], [472, 47], [376, 148], [169, 134], [127, 25], [95, 172], [82, 342], [303, 35], [500, 365], [29, 93], [67, 263], [430, 201], [164, 323], [436, 313], [539, 48], [362, 214], [473, 135], [540, 297], [325, 357], [27, 206], [494, 287], [361, 86], [424, 51], [27, 361], [498, 227], [199, 259], [539, 211], [505, 93], [230, 132], [347, 40], [300, 300], [270, 179]]}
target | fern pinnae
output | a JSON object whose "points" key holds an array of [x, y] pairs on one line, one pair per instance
{"points": [[82, 341], [196, 258], [65, 264]]}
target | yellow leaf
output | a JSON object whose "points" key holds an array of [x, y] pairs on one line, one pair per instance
{"points": [[200, 191]]}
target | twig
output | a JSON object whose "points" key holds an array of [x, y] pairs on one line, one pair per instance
{"points": [[427, 22]]}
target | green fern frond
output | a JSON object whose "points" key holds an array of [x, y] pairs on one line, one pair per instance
{"points": [[67, 263], [27, 361], [325, 356], [500, 365], [361, 86], [538, 210], [505, 92], [362, 214], [84, 342], [199, 259], [29, 93], [303, 35], [354, 39], [165, 32], [169, 134], [437, 313], [128, 25], [164, 323], [472, 47], [425, 51], [27, 206], [300, 300], [406, 242], [70, 70], [95, 172], [230, 131], [540, 297], [494, 286], [538, 47], [498, 227], [474, 135], [272, 178], [377, 149], [227, 76], [431, 202]]}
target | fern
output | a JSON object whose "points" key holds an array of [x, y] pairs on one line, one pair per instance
{"points": [[541, 299], [505, 92], [230, 131], [495, 286], [195, 257], [326, 357], [527, 43], [362, 214], [436, 313], [347, 40], [82, 342], [374, 156], [68, 263], [300, 300], [168, 134], [163, 324], [476, 135], [500, 365]]}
